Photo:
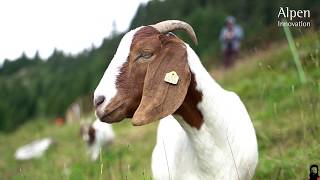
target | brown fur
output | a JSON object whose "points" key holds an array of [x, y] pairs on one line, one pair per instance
{"points": [[188, 110], [92, 135], [87, 129]]}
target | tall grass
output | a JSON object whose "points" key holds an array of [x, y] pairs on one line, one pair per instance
{"points": [[295, 54]]}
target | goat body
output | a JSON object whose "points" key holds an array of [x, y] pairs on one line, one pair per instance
{"points": [[225, 146], [35, 149], [97, 135]]}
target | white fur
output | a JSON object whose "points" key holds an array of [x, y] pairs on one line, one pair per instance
{"points": [[35, 149], [225, 147], [107, 85], [171, 151], [104, 136]]}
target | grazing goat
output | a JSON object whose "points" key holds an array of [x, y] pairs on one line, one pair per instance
{"points": [[35, 149], [212, 137], [96, 135]]}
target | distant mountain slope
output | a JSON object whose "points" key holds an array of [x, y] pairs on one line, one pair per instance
{"points": [[32, 87]]}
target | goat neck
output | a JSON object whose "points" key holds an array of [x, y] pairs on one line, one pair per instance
{"points": [[217, 125]]}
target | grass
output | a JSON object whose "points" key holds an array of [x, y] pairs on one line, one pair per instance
{"points": [[285, 114], [128, 158]]}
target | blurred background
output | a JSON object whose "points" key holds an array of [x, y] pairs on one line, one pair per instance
{"points": [[53, 54]]}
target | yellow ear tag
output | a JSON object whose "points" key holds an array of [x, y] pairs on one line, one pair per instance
{"points": [[171, 77]]}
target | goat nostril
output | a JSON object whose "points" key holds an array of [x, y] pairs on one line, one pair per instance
{"points": [[98, 100]]}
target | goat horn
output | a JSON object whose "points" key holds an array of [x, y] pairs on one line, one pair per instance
{"points": [[171, 25]]}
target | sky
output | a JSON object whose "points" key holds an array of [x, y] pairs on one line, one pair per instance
{"points": [[69, 25]]}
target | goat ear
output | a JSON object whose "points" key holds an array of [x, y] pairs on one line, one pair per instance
{"points": [[160, 98]]}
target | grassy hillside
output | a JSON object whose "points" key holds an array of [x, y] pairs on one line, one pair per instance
{"points": [[285, 114], [128, 158]]}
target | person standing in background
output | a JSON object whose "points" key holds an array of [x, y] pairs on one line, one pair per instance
{"points": [[230, 37]]}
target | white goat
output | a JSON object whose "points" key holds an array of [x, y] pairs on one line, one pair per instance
{"points": [[35, 149], [97, 135], [213, 137]]}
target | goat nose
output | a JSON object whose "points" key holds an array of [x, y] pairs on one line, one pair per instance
{"points": [[98, 100]]}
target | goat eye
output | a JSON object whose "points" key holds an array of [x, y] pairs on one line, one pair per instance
{"points": [[147, 55], [143, 56]]}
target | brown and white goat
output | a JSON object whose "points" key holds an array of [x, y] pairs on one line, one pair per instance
{"points": [[212, 137], [97, 135]]}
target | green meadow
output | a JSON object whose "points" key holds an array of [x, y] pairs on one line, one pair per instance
{"points": [[284, 111]]}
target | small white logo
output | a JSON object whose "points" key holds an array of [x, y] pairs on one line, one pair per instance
{"points": [[294, 18]]}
